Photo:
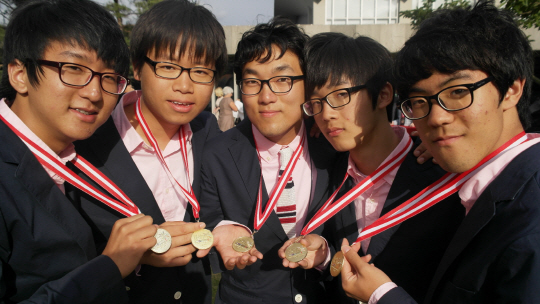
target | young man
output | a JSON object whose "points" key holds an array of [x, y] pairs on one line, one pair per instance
{"points": [[64, 65], [465, 79], [349, 84], [177, 49], [244, 163]]}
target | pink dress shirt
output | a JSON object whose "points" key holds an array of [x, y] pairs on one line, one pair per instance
{"points": [[168, 195], [473, 188], [369, 205], [67, 155]]}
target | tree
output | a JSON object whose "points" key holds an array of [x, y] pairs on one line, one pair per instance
{"points": [[527, 11]]}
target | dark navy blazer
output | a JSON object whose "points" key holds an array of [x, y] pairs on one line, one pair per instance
{"points": [[47, 251], [494, 256], [230, 181], [409, 252], [106, 150]]}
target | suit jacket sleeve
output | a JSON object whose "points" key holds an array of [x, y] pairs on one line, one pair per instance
{"points": [[396, 296]]}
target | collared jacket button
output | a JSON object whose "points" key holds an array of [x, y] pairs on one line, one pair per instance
{"points": [[177, 295], [298, 298], [127, 288]]}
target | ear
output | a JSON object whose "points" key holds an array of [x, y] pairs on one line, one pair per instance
{"points": [[386, 96], [513, 95], [18, 77], [136, 72]]}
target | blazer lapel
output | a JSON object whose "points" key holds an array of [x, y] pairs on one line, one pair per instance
{"points": [[410, 179], [47, 194], [111, 157]]}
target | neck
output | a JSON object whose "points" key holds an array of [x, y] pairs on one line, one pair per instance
{"points": [[287, 137], [162, 131], [53, 141], [374, 148]]}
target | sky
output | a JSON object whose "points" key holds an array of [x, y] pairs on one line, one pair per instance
{"points": [[234, 12]]}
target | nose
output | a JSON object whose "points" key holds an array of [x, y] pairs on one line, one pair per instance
{"points": [[328, 112], [439, 116], [92, 91], [266, 95], [183, 83]]}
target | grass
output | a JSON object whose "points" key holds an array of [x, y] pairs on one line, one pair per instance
{"points": [[215, 282]]}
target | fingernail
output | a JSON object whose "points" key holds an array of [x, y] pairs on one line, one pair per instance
{"points": [[202, 225], [421, 159], [416, 153], [345, 249]]}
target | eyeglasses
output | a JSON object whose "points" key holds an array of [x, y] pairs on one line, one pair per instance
{"points": [[79, 76], [334, 99], [451, 99], [172, 71], [277, 84]]}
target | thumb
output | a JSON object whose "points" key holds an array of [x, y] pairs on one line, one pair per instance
{"points": [[203, 252], [351, 255]]}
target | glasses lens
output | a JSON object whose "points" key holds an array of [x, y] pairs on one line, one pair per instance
{"points": [[75, 74], [456, 98], [250, 86], [280, 84], [339, 98], [414, 108], [310, 107], [167, 70], [113, 83], [201, 75]]}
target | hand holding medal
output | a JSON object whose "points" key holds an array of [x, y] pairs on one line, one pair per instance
{"points": [[232, 257], [305, 251]]}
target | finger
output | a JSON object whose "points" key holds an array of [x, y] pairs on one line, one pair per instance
{"points": [[353, 258], [182, 250], [203, 252], [181, 228], [254, 252], [231, 262]]}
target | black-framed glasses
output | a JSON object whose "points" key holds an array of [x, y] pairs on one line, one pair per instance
{"points": [[277, 84], [79, 75], [172, 71], [334, 99], [451, 99]]}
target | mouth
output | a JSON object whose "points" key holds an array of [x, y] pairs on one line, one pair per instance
{"points": [[268, 113], [446, 140], [85, 111], [85, 114], [334, 131], [181, 106]]}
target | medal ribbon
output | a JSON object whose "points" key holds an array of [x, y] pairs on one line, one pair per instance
{"points": [[261, 217], [182, 136], [436, 192], [329, 209], [123, 205]]}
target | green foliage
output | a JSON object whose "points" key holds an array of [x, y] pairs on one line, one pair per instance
{"points": [[528, 11], [422, 13]]}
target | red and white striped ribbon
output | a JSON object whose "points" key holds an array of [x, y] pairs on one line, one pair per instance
{"points": [[190, 196], [261, 217], [123, 205], [436, 192], [329, 208]]}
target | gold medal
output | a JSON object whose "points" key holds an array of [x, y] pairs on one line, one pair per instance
{"points": [[243, 244], [202, 239], [163, 241], [296, 252], [336, 264]]}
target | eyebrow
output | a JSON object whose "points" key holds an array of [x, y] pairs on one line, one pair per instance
{"points": [[285, 67], [455, 76], [75, 55]]}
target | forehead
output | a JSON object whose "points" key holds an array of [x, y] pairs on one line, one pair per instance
{"points": [[288, 64], [186, 54], [439, 81], [72, 52]]}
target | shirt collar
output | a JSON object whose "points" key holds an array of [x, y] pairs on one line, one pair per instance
{"points": [[268, 150], [388, 178], [132, 140]]}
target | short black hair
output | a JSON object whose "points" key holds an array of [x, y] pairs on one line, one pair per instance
{"points": [[482, 38], [335, 56], [179, 25], [82, 23], [280, 32]]}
